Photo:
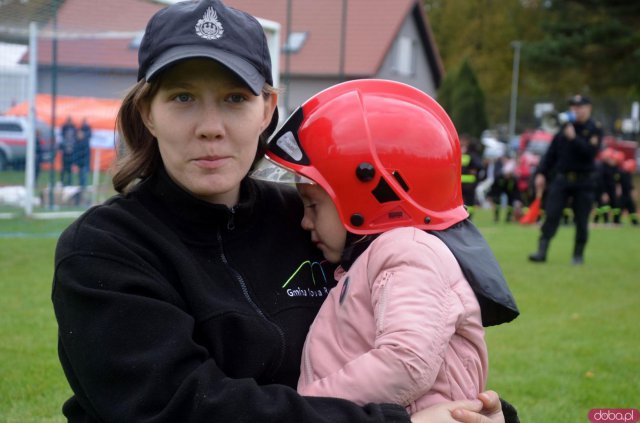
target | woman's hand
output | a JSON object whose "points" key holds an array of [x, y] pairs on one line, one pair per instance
{"points": [[486, 409]]}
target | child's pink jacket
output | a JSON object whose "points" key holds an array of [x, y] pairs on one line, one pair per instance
{"points": [[401, 326]]}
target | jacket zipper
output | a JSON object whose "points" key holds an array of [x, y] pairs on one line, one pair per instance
{"points": [[231, 222], [308, 375], [245, 292]]}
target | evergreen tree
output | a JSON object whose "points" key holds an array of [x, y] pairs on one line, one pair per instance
{"points": [[465, 102], [445, 92]]}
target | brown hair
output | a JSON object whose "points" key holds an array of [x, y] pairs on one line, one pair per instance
{"points": [[138, 156]]}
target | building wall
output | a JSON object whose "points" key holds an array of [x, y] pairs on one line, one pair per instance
{"points": [[90, 83], [14, 86], [300, 88], [423, 77]]}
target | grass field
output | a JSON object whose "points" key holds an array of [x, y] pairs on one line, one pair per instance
{"points": [[576, 345]]}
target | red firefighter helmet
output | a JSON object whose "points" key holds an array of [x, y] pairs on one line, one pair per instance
{"points": [[619, 157], [629, 165], [387, 154], [607, 154]]}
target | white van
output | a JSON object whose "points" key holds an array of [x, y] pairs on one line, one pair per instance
{"points": [[13, 140]]}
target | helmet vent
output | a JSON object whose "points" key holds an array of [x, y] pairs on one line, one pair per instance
{"points": [[401, 181], [384, 193]]}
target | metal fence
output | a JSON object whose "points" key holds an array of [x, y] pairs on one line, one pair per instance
{"points": [[64, 66]]}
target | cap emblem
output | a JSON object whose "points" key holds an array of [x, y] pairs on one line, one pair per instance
{"points": [[209, 27]]}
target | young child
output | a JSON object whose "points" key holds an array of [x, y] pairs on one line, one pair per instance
{"points": [[377, 164]]}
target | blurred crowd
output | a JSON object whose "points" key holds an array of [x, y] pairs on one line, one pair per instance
{"points": [[506, 185]]}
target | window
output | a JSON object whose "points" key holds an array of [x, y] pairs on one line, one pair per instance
{"points": [[295, 42], [10, 127], [136, 41], [405, 63]]}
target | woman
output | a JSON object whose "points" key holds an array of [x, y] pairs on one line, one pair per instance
{"points": [[188, 296]]}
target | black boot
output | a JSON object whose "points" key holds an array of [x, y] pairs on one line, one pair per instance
{"points": [[540, 256], [578, 253]]}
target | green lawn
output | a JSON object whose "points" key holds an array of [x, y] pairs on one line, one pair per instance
{"points": [[576, 345], [32, 386]]}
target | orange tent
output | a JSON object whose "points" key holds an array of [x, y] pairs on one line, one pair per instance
{"points": [[99, 112]]}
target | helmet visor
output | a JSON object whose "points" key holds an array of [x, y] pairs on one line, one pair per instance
{"points": [[272, 172]]}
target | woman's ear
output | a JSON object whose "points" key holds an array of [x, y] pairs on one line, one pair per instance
{"points": [[145, 114], [270, 104]]}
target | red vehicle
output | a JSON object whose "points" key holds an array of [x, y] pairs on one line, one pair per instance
{"points": [[629, 148], [533, 145]]}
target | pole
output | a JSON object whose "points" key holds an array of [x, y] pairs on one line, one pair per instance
{"points": [[514, 89], [343, 40], [31, 137], [54, 84], [287, 60]]}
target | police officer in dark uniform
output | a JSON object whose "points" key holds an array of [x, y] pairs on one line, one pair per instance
{"points": [[571, 159]]}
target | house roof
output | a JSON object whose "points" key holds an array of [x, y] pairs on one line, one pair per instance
{"points": [[371, 28], [97, 33]]}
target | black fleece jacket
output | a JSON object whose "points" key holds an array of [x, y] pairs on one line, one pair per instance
{"points": [[171, 309]]}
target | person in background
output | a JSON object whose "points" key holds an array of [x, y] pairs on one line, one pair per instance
{"points": [[504, 190], [471, 169], [69, 135], [627, 191], [403, 325], [616, 177], [571, 158], [39, 159], [486, 177], [82, 156], [185, 298], [607, 187]]}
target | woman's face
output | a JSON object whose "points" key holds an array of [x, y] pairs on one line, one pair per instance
{"points": [[207, 124], [321, 218]]}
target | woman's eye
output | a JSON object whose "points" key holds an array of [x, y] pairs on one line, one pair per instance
{"points": [[183, 98], [236, 98], [310, 205]]}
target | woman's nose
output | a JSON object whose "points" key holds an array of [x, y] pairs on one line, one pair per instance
{"points": [[211, 122]]}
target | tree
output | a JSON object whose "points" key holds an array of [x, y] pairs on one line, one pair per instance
{"points": [[481, 32], [593, 44], [445, 92], [463, 99]]}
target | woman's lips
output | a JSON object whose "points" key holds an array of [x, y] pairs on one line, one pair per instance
{"points": [[211, 162]]}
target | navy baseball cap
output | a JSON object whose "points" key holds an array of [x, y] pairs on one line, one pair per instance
{"points": [[579, 100], [207, 29]]}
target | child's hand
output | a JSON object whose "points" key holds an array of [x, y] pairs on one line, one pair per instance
{"points": [[491, 410], [443, 412]]}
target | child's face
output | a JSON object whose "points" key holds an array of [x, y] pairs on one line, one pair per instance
{"points": [[321, 218]]}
